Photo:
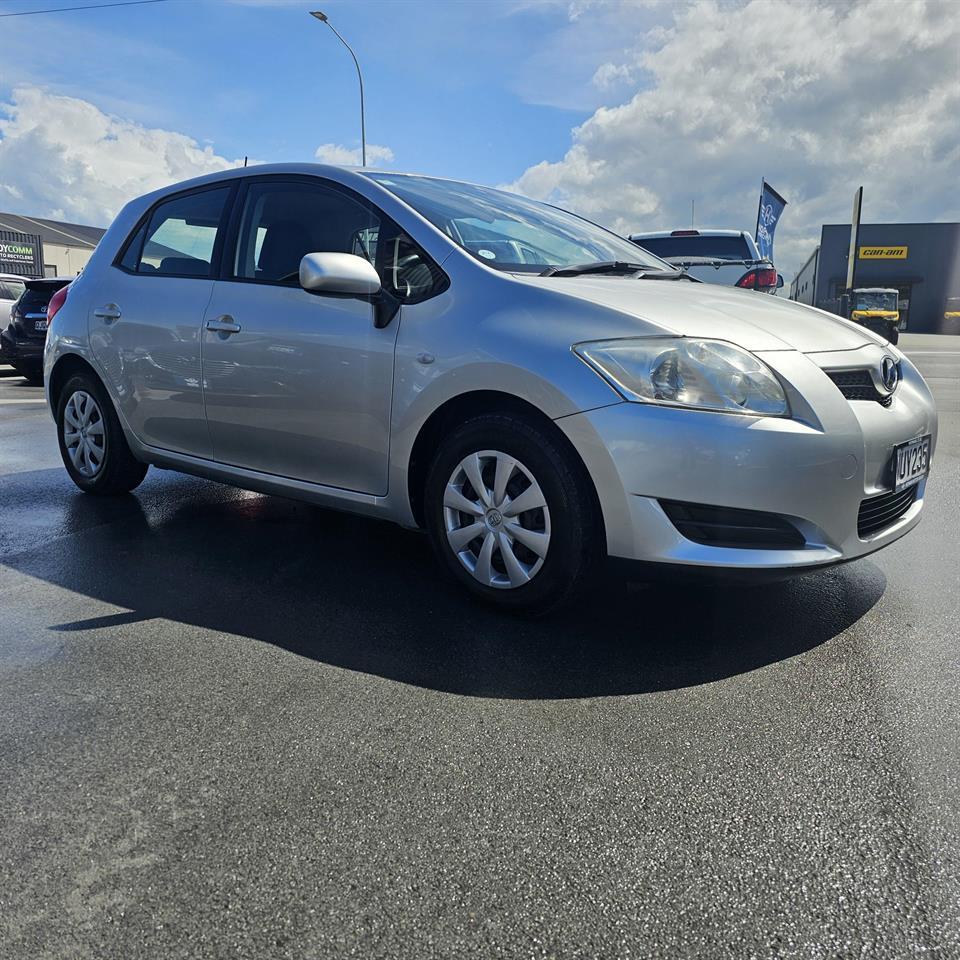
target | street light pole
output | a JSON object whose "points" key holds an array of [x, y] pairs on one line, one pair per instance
{"points": [[363, 129]]}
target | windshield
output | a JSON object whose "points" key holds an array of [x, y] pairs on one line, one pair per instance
{"points": [[720, 248], [876, 300], [509, 232]]}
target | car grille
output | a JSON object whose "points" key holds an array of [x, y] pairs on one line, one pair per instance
{"points": [[729, 527], [878, 513], [858, 385]]}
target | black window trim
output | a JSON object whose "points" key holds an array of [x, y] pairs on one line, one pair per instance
{"points": [[226, 220], [232, 237]]}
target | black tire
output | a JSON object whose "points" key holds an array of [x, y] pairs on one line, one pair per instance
{"points": [[576, 540], [894, 336], [31, 372], [119, 471]]}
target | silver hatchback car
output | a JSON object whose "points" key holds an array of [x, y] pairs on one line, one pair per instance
{"points": [[533, 390]]}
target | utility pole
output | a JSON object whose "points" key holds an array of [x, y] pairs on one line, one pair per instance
{"points": [[322, 17]]}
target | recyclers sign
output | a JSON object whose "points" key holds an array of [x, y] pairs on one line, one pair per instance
{"points": [[18, 252], [21, 254]]}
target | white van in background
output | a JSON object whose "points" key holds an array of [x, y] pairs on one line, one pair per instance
{"points": [[727, 257]]}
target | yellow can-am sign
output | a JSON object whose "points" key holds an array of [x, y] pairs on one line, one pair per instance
{"points": [[883, 253]]}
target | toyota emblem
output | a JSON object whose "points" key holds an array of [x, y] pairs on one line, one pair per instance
{"points": [[889, 374]]}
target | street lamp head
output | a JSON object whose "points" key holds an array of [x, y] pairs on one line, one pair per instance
{"points": [[319, 14]]}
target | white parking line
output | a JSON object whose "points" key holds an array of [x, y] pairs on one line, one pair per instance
{"points": [[28, 400]]}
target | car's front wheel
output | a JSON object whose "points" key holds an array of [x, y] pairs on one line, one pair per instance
{"points": [[510, 513], [92, 444]]}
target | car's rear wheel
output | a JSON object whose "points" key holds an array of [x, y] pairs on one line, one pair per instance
{"points": [[511, 514], [92, 444]]}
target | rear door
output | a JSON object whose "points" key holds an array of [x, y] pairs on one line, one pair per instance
{"points": [[147, 315]]}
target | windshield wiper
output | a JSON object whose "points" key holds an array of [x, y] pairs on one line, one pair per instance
{"points": [[638, 271]]}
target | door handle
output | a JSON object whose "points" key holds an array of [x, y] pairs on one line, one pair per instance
{"points": [[108, 312], [224, 324]]}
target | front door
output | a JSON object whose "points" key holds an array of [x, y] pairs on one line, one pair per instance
{"points": [[146, 318], [296, 384]]}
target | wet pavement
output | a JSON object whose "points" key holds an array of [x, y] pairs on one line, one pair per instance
{"points": [[237, 726]]}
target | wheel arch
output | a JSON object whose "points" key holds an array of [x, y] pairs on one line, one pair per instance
{"points": [[458, 409], [66, 367]]}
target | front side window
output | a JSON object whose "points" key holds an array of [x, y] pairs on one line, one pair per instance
{"points": [[510, 232], [283, 221], [180, 236]]}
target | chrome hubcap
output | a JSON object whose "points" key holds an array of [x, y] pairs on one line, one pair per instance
{"points": [[497, 519], [83, 434]]}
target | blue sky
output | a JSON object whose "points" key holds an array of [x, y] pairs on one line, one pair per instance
{"points": [[449, 85], [623, 110]]}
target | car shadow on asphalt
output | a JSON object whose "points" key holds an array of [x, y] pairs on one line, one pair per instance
{"points": [[367, 596]]}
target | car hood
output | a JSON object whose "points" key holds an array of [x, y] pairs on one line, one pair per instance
{"points": [[750, 319]]}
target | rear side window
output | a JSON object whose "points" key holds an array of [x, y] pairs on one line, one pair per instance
{"points": [[180, 237], [722, 248]]}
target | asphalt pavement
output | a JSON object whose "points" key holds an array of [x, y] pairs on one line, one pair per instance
{"points": [[236, 726]]}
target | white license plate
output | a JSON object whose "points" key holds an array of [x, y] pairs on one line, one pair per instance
{"points": [[911, 462], [40, 325]]}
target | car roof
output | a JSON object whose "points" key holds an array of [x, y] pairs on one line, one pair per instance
{"points": [[37, 283], [682, 232], [265, 169], [876, 290]]}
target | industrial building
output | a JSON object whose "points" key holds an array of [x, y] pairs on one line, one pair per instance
{"points": [[35, 246], [920, 260]]}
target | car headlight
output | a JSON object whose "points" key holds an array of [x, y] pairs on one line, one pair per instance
{"points": [[678, 371]]}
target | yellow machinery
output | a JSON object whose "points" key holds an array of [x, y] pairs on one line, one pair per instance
{"points": [[951, 315], [878, 309]]}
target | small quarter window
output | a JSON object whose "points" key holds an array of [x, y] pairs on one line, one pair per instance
{"points": [[407, 272], [131, 256]]}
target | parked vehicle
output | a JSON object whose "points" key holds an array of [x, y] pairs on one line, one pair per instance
{"points": [[878, 309], [533, 390], [11, 287], [727, 257], [21, 344]]}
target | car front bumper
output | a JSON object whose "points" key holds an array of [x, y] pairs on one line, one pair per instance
{"points": [[813, 470]]}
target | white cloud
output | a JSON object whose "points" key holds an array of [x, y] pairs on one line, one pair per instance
{"points": [[817, 97], [341, 156], [610, 74], [65, 158]]}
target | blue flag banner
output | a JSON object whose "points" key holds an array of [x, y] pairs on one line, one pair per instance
{"points": [[768, 216]]}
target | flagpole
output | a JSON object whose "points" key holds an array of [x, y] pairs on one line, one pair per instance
{"points": [[756, 229]]}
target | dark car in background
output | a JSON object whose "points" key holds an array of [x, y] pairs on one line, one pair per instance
{"points": [[21, 343], [727, 257]]}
